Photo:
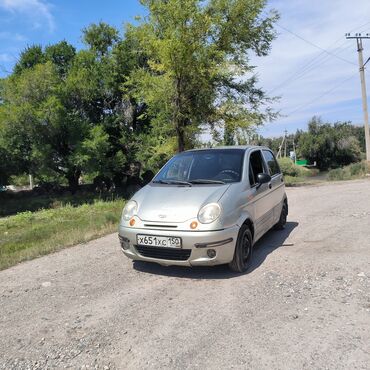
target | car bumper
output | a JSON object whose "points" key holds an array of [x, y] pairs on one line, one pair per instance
{"points": [[194, 251]]}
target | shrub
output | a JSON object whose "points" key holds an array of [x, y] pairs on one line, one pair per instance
{"points": [[352, 171], [329, 145], [289, 168]]}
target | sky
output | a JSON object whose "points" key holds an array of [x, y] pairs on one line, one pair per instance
{"points": [[311, 67]]}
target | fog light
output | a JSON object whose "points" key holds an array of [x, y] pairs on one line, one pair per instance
{"points": [[194, 225], [211, 253], [132, 222], [125, 243]]}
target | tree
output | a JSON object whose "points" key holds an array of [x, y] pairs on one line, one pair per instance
{"points": [[61, 55], [29, 57], [40, 133], [330, 146], [100, 37], [198, 65]]}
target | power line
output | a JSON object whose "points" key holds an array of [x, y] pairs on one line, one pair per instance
{"points": [[315, 62], [316, 46], [302, 106]]}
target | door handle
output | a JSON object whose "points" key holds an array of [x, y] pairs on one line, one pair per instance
{"points": [[270, 185]]}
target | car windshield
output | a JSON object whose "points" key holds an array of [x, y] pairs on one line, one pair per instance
{"points": [[217, 166]]}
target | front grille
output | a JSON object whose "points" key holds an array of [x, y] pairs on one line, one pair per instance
{"points": [[161, 226], [164, 253]]}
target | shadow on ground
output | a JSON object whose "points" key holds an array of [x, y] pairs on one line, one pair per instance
{"points": [[266, 245]]}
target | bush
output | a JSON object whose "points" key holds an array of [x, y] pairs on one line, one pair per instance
{"points": [[289, 168], [329, 145], [350, 172]]}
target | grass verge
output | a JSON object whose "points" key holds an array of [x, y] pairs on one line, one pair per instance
{"points": [[13, 203], [29, 235], [350, 172]]}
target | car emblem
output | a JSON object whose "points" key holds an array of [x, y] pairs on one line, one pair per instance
{"points": [[162, 216]]}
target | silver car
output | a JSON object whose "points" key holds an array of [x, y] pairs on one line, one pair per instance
{"points": [[206, 207]]}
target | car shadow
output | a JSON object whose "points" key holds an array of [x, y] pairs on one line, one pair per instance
{"points": [[266, 245], [271, 241]]}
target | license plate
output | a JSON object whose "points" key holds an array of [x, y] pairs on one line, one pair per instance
{"points": [[159, 241]]}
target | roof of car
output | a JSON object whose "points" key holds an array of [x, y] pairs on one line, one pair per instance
{"points": [[243, 147]]}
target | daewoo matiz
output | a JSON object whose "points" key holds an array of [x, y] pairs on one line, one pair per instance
{"points": [[206, 207]]}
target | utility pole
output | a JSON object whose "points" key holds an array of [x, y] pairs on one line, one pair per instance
{"points": [[285, 136], [359, 37]]}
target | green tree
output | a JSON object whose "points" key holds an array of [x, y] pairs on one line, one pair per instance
{"points": [[61, 55], [100, 37], [40, 133], [330, 146], [29, 57], [198, 72]]}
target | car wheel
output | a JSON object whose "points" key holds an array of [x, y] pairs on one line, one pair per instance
{"points": [[243, 251], [283, 216]]}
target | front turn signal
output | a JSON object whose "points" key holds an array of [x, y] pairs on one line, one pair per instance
{"points": [[193, 225]]}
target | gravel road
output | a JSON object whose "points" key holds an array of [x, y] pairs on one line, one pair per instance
{"points": [[305, 304]]}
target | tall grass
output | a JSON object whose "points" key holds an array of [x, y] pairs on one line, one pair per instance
{"points": [[294, 174], [350, 172], [289, 168], [31, 234]]}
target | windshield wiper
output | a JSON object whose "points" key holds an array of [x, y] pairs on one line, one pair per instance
{"points": [[173, 182], [206, 181]]}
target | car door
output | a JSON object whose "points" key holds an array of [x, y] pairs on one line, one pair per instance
{"points": [[277, 190], [263, 212]]}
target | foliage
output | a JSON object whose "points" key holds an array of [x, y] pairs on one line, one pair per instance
{"points": [[198, 53], [329, 145], [289, 168], [124, 99], [350, 172], [61, 55], [64, 113], [100, 37], [30, 57]]}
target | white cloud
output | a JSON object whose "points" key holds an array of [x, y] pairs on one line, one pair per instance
{"points": [[324, 23], [5, 58], [38, 11], [12, 36]]}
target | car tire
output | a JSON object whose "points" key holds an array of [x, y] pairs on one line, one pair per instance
{"points": [[242, 259], [283, 216]]}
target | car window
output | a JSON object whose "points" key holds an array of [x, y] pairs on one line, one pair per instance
{"points": [[222, 165], [272, 164], [255, 166], [180, 169]]}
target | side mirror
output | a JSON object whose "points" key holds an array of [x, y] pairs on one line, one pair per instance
{"points": [[263, 178]]}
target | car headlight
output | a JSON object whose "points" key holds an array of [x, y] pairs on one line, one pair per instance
{"points": [[209, 213], [130, 210]]}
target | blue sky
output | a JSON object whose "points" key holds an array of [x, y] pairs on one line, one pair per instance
{"points": [[308, 80]]}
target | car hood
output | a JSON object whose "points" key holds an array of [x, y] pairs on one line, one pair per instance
{"points": [[162, 203]]}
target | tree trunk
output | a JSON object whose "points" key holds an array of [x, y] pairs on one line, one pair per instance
{"points": [[180, 138], [73, 176], [228, 136], [179, 124]]}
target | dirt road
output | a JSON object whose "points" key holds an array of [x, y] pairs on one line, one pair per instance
{"points": [[304, 305]]}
